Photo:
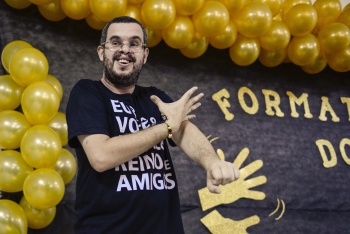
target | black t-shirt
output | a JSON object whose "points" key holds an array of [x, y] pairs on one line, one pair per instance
{"points": [[139, 196]]}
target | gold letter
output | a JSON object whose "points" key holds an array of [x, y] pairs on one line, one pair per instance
{"points": [[299, 101], [272, 103], [327, 163], [221, 99], [342, 145], [255, 105], [346, 101], [326, 106]]}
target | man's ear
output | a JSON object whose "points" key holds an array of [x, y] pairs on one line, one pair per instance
{"points": [[146, 55], [100, 52]]}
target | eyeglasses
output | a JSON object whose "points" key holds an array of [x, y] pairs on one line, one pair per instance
{"points": [[134, 46]]}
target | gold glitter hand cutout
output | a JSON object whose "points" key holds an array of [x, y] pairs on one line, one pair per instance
{"points": [[237, 189]]}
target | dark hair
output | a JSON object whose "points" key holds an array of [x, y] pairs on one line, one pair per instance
{"points": [[122, 19]]}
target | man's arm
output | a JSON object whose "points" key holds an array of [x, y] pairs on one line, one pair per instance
{"points": [[106, 152], [194, 143]]}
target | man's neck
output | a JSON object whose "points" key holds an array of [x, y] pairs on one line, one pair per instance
{"points": [[116, 89]]}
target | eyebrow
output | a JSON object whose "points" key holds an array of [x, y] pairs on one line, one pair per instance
{"points": [[118, 37]]}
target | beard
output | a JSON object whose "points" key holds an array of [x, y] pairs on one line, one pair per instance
{"points": [[121, 80]]}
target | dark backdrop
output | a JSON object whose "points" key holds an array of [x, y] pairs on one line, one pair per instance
{"points": [[316, 198]]}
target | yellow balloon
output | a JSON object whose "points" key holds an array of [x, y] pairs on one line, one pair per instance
{"points": [[13, 171], [28, 65], [37, 218], [211, 19], [10, 49], [134, 11], [274, 5], [303, 50], [346, 7], [18, 4], [94, 22], [52, 11], [245, 50], [225, 39], [180, 33], [253, 20], [316, 66], [276, 37], [40, 2], [56, 84], [288, 4], [344, 17], [59, 124], [328, 11], [76, 9], [12, 218], [40, 102], [66, 165], [43, 188], [188, 7], [340, 61], [234, 6], [196, 48], [10, 93], [13, 125], [334, 37], [40, 146], [107, 10], [154, 37], [301, 19], [158, 14], [272, 58], [135, 1]]}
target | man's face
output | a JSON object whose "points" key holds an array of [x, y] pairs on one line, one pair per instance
{"points": [[122, 66]]}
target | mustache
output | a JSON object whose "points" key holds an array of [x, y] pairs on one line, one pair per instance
{"points": [[130, 56]]}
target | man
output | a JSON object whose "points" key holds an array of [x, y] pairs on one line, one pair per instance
{"points": [[126, 181]]}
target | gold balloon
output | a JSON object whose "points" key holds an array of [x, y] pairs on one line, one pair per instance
{"points": [[288, 4], [154, 37], [188, 7], [340, 61], [134, 11], [52, 11], [196, 48], [76, 9], [43, 188], [13, 125], [344, 17], [40, 102], [28, 65], [37, 219], [211, 19], [94, 22], [180, 33], [334, 37], [274, 5], [253, 20], [328, 11], [59, 124], [303, 50], [276, 37], [40, 146], [234, 5], [301, 19], [107, 10], [245, 50], [18, 4], [158, 14], [56, 84], [316, 66], [225, 39], [66, 165], [13, 171], [10, 93], [12, 218], [40, 2], [272, 58], [10, 49]]}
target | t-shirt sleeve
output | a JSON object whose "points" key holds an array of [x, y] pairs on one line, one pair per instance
{"points": [[86, 112]]}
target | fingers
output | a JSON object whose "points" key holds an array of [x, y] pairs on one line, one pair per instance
{"points": [[221, 173], [156, 99]]}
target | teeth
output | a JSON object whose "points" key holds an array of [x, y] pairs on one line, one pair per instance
{"points": [[123, 61]]}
